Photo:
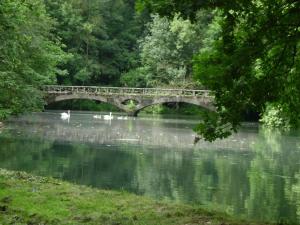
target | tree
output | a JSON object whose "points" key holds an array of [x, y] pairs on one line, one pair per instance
{"points": [[166, 53], [254, 61], [102, 36], [29, 55]]}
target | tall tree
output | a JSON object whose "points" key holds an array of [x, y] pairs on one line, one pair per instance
{"points": [[101, 34], [166, 53], [29, 55]]}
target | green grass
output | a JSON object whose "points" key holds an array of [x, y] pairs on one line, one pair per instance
{"points": [[27, 199]]}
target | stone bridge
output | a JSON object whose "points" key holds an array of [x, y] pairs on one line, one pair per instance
{"points": [[130, 100]]}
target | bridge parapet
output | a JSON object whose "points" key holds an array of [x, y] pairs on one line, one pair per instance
{"points": [[119, 95], [56, 89]]}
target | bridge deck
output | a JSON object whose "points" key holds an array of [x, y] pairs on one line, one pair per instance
{"points": [[151, 92]]}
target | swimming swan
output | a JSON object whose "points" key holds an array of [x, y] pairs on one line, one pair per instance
{"points": [[108, 117], [65, 116], [97, 116], [122, 118]]}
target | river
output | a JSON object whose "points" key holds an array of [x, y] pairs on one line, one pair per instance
{"points": [[254, 174]]}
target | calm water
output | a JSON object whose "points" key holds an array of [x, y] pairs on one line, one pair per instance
{"points": [[254, 174]]}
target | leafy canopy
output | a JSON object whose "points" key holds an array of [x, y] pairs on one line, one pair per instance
{"points": [[29, 55], [166, 52], [252, 61]]}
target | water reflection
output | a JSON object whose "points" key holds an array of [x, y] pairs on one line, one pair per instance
{"points": [[156, 158], [83, 128]]}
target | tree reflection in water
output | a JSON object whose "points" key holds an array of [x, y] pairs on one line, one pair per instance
{"points": [[155, 158]]}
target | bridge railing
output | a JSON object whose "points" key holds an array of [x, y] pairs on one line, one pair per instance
{"points": [[94, 90]]}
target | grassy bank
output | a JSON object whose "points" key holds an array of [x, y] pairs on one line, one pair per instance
{"points": [[27, 199]]}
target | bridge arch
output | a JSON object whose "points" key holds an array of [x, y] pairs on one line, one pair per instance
{"points": [[204, 105], [71, 97], [104, 99]]}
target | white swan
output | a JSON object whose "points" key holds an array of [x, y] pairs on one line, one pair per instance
{"points": [[108, 117], [97, 116], [122, 118], [65, 116]]}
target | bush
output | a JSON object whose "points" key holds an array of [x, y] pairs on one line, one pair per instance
{"points": [[275, 116], [134, 78]]}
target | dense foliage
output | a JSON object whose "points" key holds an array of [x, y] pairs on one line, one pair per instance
{"points": [[246, 52], [75, 42], [29, 55], [166, 54], [252, 61], [101, 35]]}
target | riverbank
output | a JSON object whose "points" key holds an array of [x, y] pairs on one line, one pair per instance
{"points": [[27, 199]]}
